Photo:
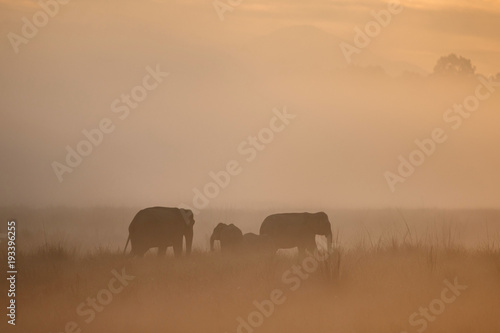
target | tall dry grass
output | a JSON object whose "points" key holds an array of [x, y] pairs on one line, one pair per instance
{"points": [[386, 266], [372, 287]]}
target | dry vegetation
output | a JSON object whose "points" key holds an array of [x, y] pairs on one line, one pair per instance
{"points": [[373, 286]]}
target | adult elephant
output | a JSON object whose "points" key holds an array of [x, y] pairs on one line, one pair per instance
{"points": [[229, 236], [299, 230], [161, 227]]}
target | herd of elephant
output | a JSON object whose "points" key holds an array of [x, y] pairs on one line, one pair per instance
{"points": [[162, 227]]}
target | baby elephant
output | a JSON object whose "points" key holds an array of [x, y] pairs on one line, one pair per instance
{"points": [[253, 243], [229, 236]]}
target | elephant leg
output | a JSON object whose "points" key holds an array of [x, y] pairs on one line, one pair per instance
{"points": [[162, 250], [178, 248], [138, 248], [311, 248], [307, 247], [310, 244], [302, 251]]}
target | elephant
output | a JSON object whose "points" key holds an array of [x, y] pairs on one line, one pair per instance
{"points": [[161, 227], [229, 236], [253, 243], [299, 230]]}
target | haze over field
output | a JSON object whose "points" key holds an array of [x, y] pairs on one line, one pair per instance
{"points": [[320, 165], [225, 78]]}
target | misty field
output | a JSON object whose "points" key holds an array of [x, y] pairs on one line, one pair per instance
{"points": [[412, 277]]}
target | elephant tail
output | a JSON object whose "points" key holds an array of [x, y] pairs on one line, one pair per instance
{"points": [[126, 244]]}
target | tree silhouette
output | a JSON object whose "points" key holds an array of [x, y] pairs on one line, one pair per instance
{"points": [[452, 65]]}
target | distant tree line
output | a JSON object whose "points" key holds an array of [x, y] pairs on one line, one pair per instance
{"points": [[453, 65], [449, 66]]}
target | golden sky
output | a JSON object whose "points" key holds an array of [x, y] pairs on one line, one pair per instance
{"points": [[224, 83], [421, 33]]}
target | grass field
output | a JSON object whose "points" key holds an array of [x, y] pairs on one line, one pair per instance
{"points": [[376, 285]]}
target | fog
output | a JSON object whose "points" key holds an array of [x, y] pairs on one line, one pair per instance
{"points": [[322, 161], [351, 121]]}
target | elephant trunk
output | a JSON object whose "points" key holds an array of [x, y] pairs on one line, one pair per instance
{"points": [[329, 241], [189, 241], [212, 240]]}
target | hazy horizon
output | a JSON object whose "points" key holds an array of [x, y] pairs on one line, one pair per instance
{"points": [[314, 162]]}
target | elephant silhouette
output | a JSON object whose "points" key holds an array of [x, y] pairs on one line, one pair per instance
{"points": [[161, 227], [261, 244], [229, 236], [290, 230]]}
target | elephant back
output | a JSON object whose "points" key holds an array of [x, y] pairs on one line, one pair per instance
{"points": [[155, 220]]}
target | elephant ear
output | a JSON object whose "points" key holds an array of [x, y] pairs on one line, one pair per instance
{"points": [[319, 221], [188, 217]]}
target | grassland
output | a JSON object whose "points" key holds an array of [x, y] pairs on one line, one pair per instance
{"points": [[374, 285]]}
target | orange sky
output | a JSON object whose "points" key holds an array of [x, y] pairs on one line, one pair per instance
{"points": [[226, 77], [424, 31]]}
